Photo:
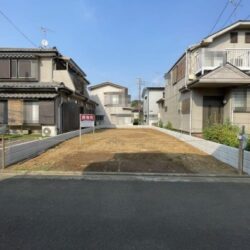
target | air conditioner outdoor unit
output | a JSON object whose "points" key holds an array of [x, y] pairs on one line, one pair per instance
{"points": [[49, 131]]}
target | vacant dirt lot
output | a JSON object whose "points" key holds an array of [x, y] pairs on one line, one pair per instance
{"points": [[126, 150]]}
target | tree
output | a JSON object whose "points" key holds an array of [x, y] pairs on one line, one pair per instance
{"points": [[135, 103]]}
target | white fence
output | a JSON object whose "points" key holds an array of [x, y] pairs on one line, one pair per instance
{"points": [[221, 152], [20, 152]]}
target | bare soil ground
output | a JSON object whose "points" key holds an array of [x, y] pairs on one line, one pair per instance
{"points": [[126, 150]]}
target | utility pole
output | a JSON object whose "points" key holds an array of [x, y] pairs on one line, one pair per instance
{"points": [[139, 83]]}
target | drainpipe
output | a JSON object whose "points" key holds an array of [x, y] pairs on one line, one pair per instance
{"points": [[191, 94], [148, 107], [190, 115]]}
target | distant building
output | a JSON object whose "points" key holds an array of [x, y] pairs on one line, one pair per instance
{"points": [[150, 96], [113, 104], [42, 91]]}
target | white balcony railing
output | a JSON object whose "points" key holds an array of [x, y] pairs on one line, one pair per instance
{"points": [[208, 59]]}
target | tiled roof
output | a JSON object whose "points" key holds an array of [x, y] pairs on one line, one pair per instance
{"points": [[28, 50], [16, 55], [30, 85], [28, 95], [106, 84]]}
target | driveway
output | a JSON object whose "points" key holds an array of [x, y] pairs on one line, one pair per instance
{"points": [[81, 214]]}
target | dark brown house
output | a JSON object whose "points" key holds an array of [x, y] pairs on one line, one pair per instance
{"points": [[41, 90]]}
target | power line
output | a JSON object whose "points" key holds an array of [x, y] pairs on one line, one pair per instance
{"points": [[232, 13], [17, 29], [219, 17]]}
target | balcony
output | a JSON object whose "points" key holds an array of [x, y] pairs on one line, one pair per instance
{"points": [[207, 59]]}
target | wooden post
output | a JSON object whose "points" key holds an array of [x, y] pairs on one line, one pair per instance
{"points": [[3, 152], [241, 152]]}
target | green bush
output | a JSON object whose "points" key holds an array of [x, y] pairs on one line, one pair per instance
{"points": [[226, 134], [160, 124], [169, 126], [248, 144], [136, 121]]}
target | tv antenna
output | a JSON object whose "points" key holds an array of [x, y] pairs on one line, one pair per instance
{"points": [[44, 42]]}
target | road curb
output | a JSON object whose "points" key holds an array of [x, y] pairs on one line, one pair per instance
{"points": [[111, 176]]}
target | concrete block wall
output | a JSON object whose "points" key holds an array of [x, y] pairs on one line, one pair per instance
{"points": [[221, 152], [20, 152]]}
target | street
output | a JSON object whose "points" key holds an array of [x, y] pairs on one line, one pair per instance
{"points": [[86, 214]]}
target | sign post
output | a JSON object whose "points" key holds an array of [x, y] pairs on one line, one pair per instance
{"points": [[243, 139], [86, 121]]}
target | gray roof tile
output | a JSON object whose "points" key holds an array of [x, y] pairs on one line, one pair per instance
{"points": [[28, 95]]}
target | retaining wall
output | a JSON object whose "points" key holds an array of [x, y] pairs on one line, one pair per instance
{"points": [[221, 152], [20, 152]]}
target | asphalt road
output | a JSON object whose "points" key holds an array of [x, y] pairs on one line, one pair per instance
{"points": [[81, 214]]}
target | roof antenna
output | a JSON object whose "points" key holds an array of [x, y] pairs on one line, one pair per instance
{"points": [[44, 42]]}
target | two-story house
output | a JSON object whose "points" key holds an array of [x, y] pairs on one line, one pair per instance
{"points": [[210, 82], [41, 90], [113, 104], [150, 97]]}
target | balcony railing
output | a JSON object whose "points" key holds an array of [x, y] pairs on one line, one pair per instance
{"points": [[208, 59]]}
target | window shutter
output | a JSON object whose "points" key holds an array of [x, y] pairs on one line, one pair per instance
{"points": [[3, 112], [234, 37], [247, 37], [15, 112], [47, 112], [4, 68]]}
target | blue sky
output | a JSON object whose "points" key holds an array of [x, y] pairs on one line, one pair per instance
{"points": [[117, 40]]}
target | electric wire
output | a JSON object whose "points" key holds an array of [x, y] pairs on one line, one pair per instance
{"points": [[219, 17], [232, 13], [17, 28]]}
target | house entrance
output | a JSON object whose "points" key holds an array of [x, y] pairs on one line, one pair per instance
{"points": [[212, 110]]}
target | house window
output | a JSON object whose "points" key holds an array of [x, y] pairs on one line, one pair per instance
{"points": [[31, 112], [4, 68], [112, 99], [18, 69], [185, 107], [27, 68], [13, 68], [240, 100], [234, 37], [115, 99], [247, 37]]}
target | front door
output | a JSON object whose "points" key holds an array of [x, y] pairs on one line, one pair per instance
{"points": [[212, 110]]}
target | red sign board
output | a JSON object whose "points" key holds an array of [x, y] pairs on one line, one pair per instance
{"points": [[87, 120], [87, 117]]}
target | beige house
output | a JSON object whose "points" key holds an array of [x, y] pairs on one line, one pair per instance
{"points": [[210, 83], [113, 104], [41, 90]]}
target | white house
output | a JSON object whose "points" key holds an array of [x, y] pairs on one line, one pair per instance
{"points": [[150, 96]]}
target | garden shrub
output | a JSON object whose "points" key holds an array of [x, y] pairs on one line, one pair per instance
{"points": [[226, 134], [169, 126], [160, 124]]}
